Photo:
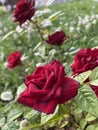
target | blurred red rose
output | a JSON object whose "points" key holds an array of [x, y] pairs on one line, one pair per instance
{"points": [[85, 59], [14, 59], [24, 11], [57, 38], [47, 87]]}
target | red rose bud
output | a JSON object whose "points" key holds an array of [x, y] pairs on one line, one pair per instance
{"points": [[14, 59], [85, 59], [24, 11], [47, 87], [57, 38]]}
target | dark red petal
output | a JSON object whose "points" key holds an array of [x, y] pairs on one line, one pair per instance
{"points": [[50, 81], [46, 107], [26, 99], [35, 92], [38, 70], [70, 89]]}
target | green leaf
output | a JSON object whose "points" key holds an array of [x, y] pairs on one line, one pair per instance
{"points": [[92, 127], [63, 109], [78, 110], [83, 123], [37, 46], [14, 114], [83, 76], [78, 129], [53, 16], [2, 121], [8, 106], [68, 70], [73, 50], [86, 99], [94, 75], [9, 126], [31, 114], [20, 89], [94, 82], [89, 117], [34, 126], [51, 55], [45, 118], [41, 51], [7, 35]]}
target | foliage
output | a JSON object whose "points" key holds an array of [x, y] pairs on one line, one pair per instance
{"points": [[81, 26]]}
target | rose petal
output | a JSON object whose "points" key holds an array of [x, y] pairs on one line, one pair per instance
{"points": [[26, 99], [46, 107], [69, 91]]}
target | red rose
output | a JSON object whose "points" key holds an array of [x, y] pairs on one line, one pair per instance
{"points": [[85, 59], [57, 38], [24, 11], [47, 87], [14, 59]]}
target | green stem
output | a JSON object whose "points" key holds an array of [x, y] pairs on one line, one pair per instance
{"points": [[60, 54], [35, 22]]}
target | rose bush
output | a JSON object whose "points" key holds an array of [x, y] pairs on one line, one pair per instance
{"points": [[25, 9], [47, 87], [52, 85], [14, 59]]}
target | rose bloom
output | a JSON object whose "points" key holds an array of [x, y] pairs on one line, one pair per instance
{"points": [[14, 59], [47, 87], [24, 11], [57, 38], [85, 59]]}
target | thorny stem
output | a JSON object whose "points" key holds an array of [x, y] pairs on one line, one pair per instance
{"points": [[35, 22]]}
